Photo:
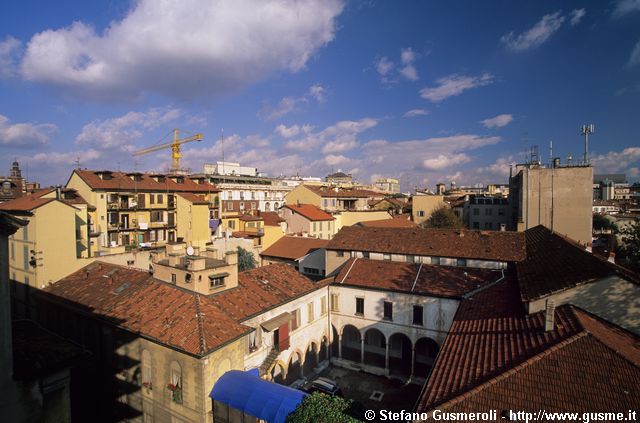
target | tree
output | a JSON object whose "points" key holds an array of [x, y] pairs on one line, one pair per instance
{"points": [[601, 222], [246, 260], [443, 218], [630, 249], [322, 408]]}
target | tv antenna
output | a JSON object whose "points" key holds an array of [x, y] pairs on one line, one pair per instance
{"points": [[586, 130]]}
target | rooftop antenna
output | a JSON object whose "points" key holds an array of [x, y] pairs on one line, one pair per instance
{"points": [[77, 162], [550, 153], [586, 130]]}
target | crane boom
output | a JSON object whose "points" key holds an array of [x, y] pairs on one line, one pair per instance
{"points": [[174, 146]]}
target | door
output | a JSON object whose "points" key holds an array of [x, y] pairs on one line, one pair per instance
{"points": [[141, 203], [276, 340], [283, 337]]}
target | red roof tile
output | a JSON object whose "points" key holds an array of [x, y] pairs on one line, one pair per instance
{"points": [[481, 245], [440, 281], [555, 263], [294, 247], [193, 198], [496, 354], [334, 192], [137, 302], [388, 223], [271, 218], [310, 211], [263, 288], [121, 181], [25, 203]]}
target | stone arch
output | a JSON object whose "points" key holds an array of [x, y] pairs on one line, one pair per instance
{"points": [[400, 353], [426, 351], [351, 343], [278, 372], [335, 342], [267, 206], [275, 206], [294, 368], [374, 347]]}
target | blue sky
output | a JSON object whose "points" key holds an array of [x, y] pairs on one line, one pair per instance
{"points": [[424, 91]]}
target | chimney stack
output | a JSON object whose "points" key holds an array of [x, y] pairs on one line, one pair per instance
{"points": [[550, 315]]}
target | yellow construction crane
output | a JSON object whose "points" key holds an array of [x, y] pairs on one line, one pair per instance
{"points": [[175, 149]]}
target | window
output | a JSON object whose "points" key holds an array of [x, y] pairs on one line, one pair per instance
{"points": [[411, 259], [386, 256], [175, 384], [216, 282], [160, 199], [295, 322], [335, 303], [488, 212], [476, 211], [25, 233], [420, 213], [311, 271], [339, 253], [146, 370], [418, 315], [435, 260], [230, 206], [476, 225], [388, 310], [314, 226], [310, 312], [13, 251], [461, 262], [152, 236], [241, 206], [501, 212], [325, 203], [25, 258], [173, 277], [323, 305], [360, 306], [152, 199], [232, 224], [365, 254]]}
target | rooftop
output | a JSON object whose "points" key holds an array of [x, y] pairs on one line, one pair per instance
{"points": [[122, 181], [310, 211], [480, 245], [209, 263], [135, 301], [439, 281], [193, 198], [271, 218], [388, 223], [294, 247], [335, 192], [493, 346], [555, 263]]}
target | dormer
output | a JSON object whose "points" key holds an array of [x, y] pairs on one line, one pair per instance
{"points": [[158, 177], [178, 179], [198, 179], [135, 176], [105, 175]]}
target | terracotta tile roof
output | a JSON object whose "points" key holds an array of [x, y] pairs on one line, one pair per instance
{"points": [[25, 203], [193, 198], [497, 357], [294, 247], [481, 245], [121, 181], [388, 223], [310, 211], [244, 234], [271, 218], [263, 288], [38, 352], [491, 333], [333, 192], [555, 263], [439, 281], [137, 302]]}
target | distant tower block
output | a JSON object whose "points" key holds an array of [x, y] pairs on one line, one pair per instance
{"points": [[15, 170]]}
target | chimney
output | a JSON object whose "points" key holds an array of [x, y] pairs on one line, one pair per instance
{"points": [[550, 313], [58, 192]]}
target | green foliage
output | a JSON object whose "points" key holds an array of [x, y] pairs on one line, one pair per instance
{"points": [[443, 218], [601, 222], [246, 260], [322, 408], [630, 249]]}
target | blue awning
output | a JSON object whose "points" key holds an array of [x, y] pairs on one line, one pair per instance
{"points": [[245, 391]]}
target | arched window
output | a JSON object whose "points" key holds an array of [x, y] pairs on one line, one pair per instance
{"points": [[267, 207], [175, 382], [147, 377]]}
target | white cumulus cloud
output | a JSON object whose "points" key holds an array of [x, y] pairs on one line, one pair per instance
{"points": [[625, 7], [634, 57], [407, 57], [415, 112], [121, 132], [453, 85], [24, 134], [9, 51], [291, 104], [535, 36], [191, 48], [444, 161], [498, 121]]}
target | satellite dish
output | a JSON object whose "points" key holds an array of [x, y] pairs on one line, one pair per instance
{"points": [[190, 250]]}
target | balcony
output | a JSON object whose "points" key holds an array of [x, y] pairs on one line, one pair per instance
{"points": [[94, 230], [158, 225]]}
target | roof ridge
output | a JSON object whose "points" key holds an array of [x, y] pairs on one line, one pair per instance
{"points": [[501, 376]]}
